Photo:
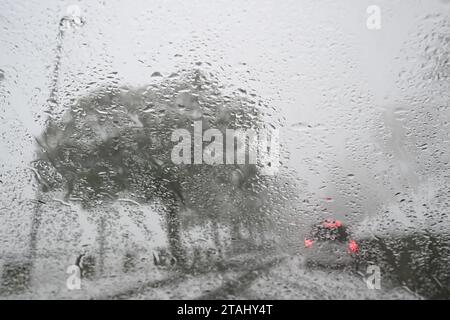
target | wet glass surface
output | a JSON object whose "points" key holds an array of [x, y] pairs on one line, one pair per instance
{"points": [[118, 179]]}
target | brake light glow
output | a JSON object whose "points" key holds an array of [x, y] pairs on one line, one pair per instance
{"points": [[353, 246], [332, 224]]}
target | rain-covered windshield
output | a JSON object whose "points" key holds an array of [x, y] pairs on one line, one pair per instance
{"points": [[188, 149]]}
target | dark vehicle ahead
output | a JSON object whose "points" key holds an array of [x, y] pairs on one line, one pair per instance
{"points": [[330, 245]]}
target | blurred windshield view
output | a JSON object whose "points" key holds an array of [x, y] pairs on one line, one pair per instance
{"points": [[225, 149]]}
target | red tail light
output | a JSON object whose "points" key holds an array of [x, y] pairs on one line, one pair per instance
{"points": [[308, 243], [332, 224], [353, 246]]}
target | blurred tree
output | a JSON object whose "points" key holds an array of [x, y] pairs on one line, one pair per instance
{"points": [[119, 139]]}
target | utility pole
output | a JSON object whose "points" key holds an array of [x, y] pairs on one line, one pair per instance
{"points": [[71, 20]]}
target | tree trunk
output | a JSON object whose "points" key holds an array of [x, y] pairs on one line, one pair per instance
{"points": [[217, 241], [174, 234]]}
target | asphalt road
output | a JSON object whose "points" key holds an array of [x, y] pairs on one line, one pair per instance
{"points": [[282, 277], [245, 277]]}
